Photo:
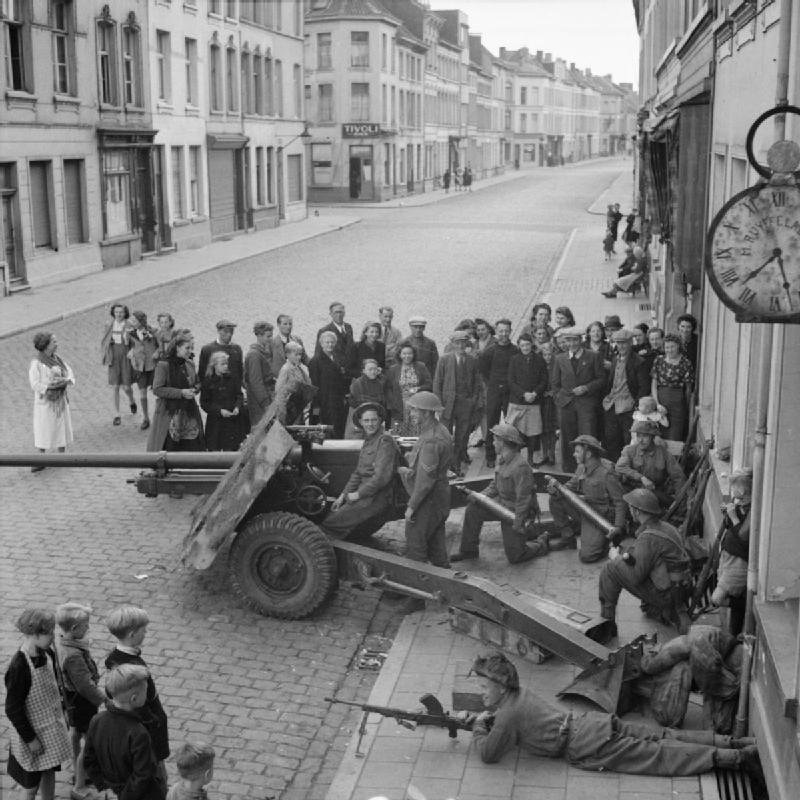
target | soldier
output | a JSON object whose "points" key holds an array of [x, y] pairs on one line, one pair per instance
{"points": [[655, 568], [592, 741], [650, 465], [367, 496], [513, 486], [597, 482], [425, 479]]}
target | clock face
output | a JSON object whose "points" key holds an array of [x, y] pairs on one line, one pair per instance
{"points": [[753, 254]]}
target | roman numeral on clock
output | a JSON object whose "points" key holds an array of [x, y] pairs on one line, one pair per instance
{"points": [[775, 304], [779, 199], [729, 276], [747, 296], [723, 252]]}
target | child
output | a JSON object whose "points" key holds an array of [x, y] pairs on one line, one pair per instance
{"points": [[649, 411], [79, 676], [128, 624], [119, 753], [548, 408], [39, 738], [608, 245], [195, 764]]}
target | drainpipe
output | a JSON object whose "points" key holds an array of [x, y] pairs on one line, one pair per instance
{"points": [[762, 404]]}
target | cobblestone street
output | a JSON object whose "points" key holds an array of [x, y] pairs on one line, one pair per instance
{"points": [[254, 686]]}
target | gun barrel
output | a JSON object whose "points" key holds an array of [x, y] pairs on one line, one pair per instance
{"points": [[585, 510], [220, 460], [497, 510]]}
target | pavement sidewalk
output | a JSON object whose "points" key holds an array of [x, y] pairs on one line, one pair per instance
{"points": [[427, 652], [43, 305]]}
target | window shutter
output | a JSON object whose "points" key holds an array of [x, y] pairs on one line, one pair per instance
{"points": [[40, 204], [73, 198]]}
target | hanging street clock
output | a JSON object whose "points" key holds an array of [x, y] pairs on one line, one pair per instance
{"points": [[753, 254]]}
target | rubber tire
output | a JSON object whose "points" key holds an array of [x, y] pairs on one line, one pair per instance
{"points": [[300, 538]]}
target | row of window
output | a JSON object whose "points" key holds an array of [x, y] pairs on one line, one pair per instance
{"points": [[406, 64], [269, 13]]}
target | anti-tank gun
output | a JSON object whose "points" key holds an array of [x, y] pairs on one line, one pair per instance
{"points": [[263, 504]]}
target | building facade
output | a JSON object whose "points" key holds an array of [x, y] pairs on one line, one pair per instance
{"points": [[698, 61]]}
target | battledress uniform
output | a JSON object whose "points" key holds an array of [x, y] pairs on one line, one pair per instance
{"points": [[654, 462], [597, 741], [657, 554], [429, 495], [600, 488], [372, 479], [513, 487]]}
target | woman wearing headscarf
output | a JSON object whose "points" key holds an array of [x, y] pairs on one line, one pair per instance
{"points": [[49, 377], [177, 424]]}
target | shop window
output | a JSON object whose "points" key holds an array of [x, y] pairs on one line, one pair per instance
{"points": [[322, 164], [117, 183]]}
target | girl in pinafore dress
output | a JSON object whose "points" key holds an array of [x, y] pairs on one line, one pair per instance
{"points": [[39, 738]]}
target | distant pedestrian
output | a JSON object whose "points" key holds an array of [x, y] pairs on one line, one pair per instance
{"points": [[446, 181], [39, 738], [143, 355], [114, 348], [49, 377], [467, 178], [616, 216], [458, 175], [630, 235], [608, 245], [195, 763], [259, 379]]}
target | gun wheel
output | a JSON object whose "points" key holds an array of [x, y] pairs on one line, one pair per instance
{"points": [[282, 565]]}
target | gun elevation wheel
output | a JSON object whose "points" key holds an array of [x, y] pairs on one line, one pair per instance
{"points": [[282, 565]]}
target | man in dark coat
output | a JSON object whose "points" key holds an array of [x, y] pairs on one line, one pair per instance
{"points": [[457, 384], [223, 342], [628, 380], [328, 372], [427, 351], [493, 365], [425, 479], [577, 379], [283, 336], [361, 507], [614, 217], [656, 568], [342, 330], [259, 380]]}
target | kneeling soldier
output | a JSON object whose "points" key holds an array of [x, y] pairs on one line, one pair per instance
{"points": [[513, 486], [364, 502], [597, 482], [650, 465], [656, 568], [593, 740]]}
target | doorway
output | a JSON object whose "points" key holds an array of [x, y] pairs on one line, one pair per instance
{"points": [[360, 172], [15, 272]]}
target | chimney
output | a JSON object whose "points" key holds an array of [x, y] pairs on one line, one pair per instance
{"points": [[502, 52], [588, 72], [539, 54], [524, 52], [572, 66], [608, 78], [548, 57]]}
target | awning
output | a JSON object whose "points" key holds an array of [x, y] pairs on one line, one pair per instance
{"points": [[226, 141], [126, 137]]}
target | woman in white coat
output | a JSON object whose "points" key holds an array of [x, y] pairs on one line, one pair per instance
{"points": [[49, 377]]}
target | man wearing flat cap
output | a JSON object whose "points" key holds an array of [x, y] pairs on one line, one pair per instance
{"points": [[655, 568], [649, 464], [362, 506], [628, 380], [577, 380], [597, 483], [513, 487], [425, 480], [457, 384], [224, 342], [427, 351]]}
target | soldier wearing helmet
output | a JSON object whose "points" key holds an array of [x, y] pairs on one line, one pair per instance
{"points": [[425, 480], [513, 486], [655, 568], [649, 465], [591, 741], [599, 486]]}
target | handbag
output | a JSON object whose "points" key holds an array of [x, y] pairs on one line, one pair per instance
{"points": [[183, 426]]}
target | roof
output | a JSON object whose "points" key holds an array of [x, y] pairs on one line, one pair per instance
{"points": [[525, 63], [349, 9]]}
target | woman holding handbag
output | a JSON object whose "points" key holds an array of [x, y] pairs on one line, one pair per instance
{"points": [[177, 424]]}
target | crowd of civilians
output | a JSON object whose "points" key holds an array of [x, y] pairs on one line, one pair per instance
{"points": [[555, 377]]}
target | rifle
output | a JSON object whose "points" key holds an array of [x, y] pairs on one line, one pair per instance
{"points": [[708, 571], [434, 714]]}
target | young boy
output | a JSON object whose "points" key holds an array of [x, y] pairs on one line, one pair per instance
{"points": [[128, 624], [195, 764], [119, 753], [80, 678]]}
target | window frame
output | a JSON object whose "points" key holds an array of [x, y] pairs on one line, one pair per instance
{"points": [[359, 50], [63, 35], [17, 36], [190, 70], [107, 67], [163, 55], [132, 64]]}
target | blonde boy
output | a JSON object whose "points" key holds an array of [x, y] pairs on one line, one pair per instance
{"points": [[195, 762], [119, 753]]}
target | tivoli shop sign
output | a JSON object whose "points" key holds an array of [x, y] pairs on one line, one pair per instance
{"points": [[359, 130]]}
